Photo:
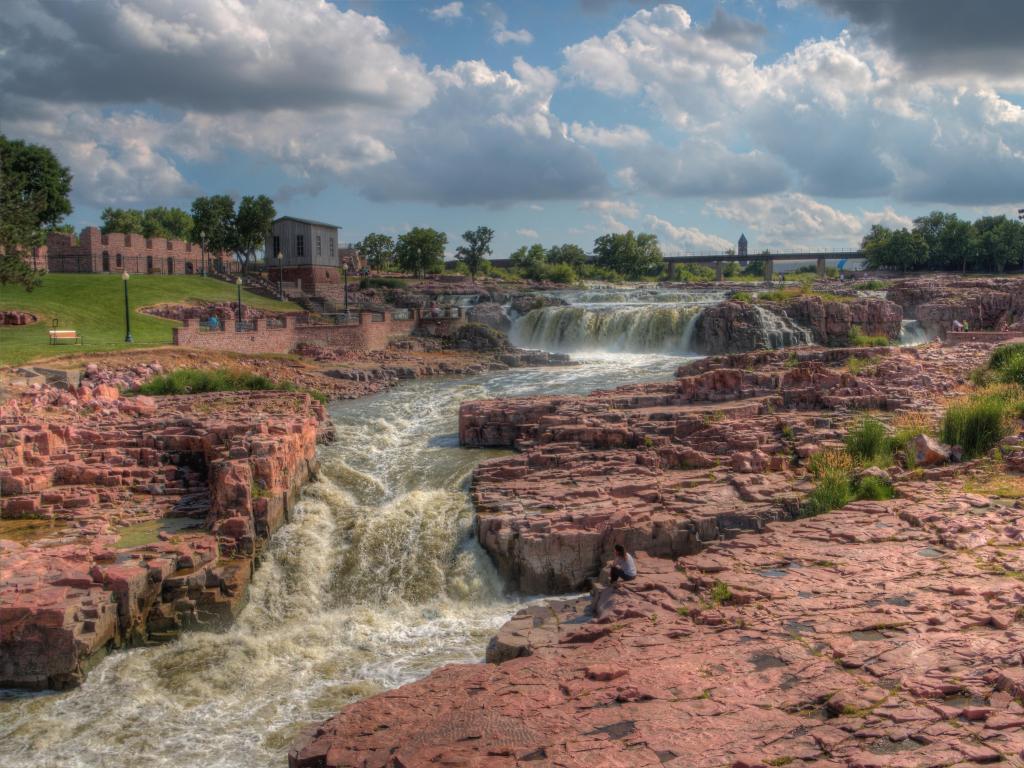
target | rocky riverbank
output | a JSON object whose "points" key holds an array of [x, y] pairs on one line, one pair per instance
{"points": [[128, 519], [884, 633]]}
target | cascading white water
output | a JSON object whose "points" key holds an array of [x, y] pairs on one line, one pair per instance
{"points": [[778, 331], [654, 328], [375, 582], [912, 333]]}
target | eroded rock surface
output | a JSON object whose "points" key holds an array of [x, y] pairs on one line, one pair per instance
{"points": [[884, 634], [126, 520], [666, 468]]}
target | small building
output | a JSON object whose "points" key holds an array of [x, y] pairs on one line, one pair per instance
{"points": [[116, 252], [309, 252]]}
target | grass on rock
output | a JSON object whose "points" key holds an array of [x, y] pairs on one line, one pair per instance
{"points": [[93, 305], [193, 381], [860, 339], [977, 423]]}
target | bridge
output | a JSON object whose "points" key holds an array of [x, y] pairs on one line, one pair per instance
{"points": [[719, 260]]}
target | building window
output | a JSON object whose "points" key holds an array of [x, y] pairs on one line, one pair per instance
{"points": [[127, 239], [170, 245], [277, 246], [300, 249], [118, 260], [319, 253], [331, 253]]}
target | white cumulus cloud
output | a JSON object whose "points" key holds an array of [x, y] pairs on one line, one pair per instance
{"points": [[449, 11]]}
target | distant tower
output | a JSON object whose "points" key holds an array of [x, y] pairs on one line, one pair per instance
{"points": [[741, 250]]}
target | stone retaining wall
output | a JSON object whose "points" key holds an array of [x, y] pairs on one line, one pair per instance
{"points": [[963, 337], [370, 332]]}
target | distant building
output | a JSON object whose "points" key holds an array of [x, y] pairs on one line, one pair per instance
{"points": [[116, 252], [309, 251], [741, 246]]}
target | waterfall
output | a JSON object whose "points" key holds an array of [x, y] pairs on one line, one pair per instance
{"points": [[912, 333], [778, 331], [644, 328]]}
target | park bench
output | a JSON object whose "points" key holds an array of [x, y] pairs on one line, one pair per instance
{"points": [[60, 335]]}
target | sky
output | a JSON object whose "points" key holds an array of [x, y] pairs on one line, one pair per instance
{"points": [[798, 122]]}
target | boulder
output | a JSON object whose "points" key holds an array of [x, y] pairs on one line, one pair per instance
{"points": [[929, 452]]}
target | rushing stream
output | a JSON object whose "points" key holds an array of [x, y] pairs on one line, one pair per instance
{"points": [[375, 582]]}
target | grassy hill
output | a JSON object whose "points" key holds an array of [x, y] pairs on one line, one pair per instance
{"points": [[93, 305]]}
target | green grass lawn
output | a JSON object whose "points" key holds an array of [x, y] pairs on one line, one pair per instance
{"points": [[93, 305]]}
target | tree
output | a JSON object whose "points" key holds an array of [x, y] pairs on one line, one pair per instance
{"points": [[421, 250], [378, 250], [171, 223], [120, 220], [957, 246], [252, 225], [568, 253], [476, 249], [34, 198], [629, 254], [213, 222], [530, 261]]}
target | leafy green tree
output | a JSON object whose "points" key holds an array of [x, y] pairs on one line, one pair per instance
{"points": [[252, 225], [476, 250], [875, 246], [421, 250], [120, 220], [568, 253], [213, 222], [530, 260], [34, 199], [171, 223], [1000, 243], [895, 249], [629, 254], [957, 246], [378, 250]]}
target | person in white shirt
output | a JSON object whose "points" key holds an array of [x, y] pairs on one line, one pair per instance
{"points": [[623, 566]]}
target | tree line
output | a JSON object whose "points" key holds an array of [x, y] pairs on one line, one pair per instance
{"points": [[420, 251], [942, 241]]}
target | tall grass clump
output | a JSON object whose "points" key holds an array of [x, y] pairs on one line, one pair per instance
{"points": [[867, 442], [858, 338], [188, 381], [871, 488], [976, 424]]}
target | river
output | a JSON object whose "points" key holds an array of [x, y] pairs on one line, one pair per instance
{"points": [[374, 583]]}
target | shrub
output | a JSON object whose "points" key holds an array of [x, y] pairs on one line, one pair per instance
{"points": [[744, 296], [866, 442], [858, 365], [381, 282], [1002, 355], [976, 424], [833, 491], [871, 488], [720, 593], [192, 381], [829, 462], [558, 273], [1007, 364], [873, 285], [860, 339]]}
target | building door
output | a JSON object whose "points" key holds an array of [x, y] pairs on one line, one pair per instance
{"points": [[106, 261], [149, 265], [188, 268], [170, 265]]}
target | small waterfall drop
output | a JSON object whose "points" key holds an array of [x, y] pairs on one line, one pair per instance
{"points": [[912, 334], [657, 328], [779, 331]]}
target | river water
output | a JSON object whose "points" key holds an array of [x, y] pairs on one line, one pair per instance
{"points": [[374, 583]]}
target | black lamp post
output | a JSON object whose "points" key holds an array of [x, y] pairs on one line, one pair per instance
{"points": [[238, 283], [280, 275], [202, 249], [344, 268], [127, 314]]}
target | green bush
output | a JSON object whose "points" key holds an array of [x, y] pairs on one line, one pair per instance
{"points": [[871, 488], [595, 272], [193, 381], [559, 273], [381, 282], [867, 442], [1006, 365], [873, 285], [976, 424], [860, 339], [833, 491], [744, 296]]}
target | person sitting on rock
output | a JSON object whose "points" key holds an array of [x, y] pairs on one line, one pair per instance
{"points": [[623, 566], [957, 326]]}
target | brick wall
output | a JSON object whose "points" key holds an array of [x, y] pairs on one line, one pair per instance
{"points": [[371, 332], [116, 252], [961, 337]]}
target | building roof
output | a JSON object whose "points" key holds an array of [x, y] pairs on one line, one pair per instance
{"points": [[307, 221], [743, 238]]}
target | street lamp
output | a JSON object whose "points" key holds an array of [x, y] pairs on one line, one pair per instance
{"points": [[127, 316], [280, 275], [202, 249], [238, 283], [344, 269]]}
